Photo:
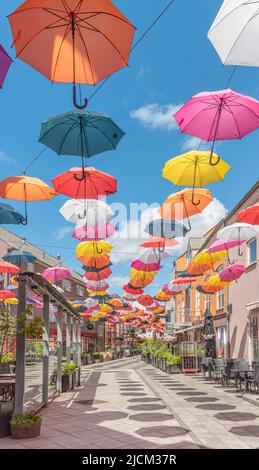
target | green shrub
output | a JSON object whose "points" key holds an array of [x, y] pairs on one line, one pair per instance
{"points": [[8, 357], [68, 368], [174, 360], [25, 418]]}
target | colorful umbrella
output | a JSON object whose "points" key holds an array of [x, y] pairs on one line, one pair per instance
{"points": [[95, 264], [216, 281], [56, 274], [131, 290], [250, 215], [197, 269], [184, 280], [12, 301], [86, 212], [97, 288], [8, 268], [182, 204], [149, 256], [5, 63], [93, 248], [103, 274], [19, 257], [206, 258], [166, 228], [219, 245], [238, 231], [159, 243], [232, 273], [9, 215], [6, 294], [208, 288], [235, 33], [145, 300], [82, 134], [218, 115], [25, 188], [95, 185], [72, 41], [140, 266], [96, 232], [194, 169]]}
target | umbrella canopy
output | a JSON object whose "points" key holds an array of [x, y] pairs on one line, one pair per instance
{"points": [[235, 33], [5, 63], [238, 231], [209, 288], [72, 41], [220, 245], [95, 264], [6, 294], [93, 248], [140, 266], [96, 184], [216, 281], [145, 300], [153, 255], [80, 133], [194, 169], [8, 268], [86, 212], [19, 257], [206, 258], [96, 232], [56, 274], [9, 215], [97, 287], [12, 301], [250, 215], [183, 205], [184, 280], [131, 290], [101, 275], [94, 284], [209, 334], [166, 228], [25, 188], [232, 273], [160, 243]]}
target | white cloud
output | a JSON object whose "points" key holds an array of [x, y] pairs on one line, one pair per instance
{"points": [[5, 159], [62, 232], [193, 143], [118, 281], [157, 116], [210, 216]]}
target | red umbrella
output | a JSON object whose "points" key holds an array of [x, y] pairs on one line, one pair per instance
{"points": [[8, 268], [6, 294], [96, 183], [184, 280], [98, 276], [250, 215], [159, 242], [131, 290], [145, 300]]}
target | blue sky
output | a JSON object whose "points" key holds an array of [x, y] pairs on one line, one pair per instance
{"points": [[174, 62]]}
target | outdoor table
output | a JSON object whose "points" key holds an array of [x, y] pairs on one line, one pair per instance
{"points": [[7, 389]]}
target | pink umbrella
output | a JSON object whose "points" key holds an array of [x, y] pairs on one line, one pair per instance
{"points": [[98, 288], [232, 273], [220, 245], [218, 115], [5, 63], [92, 233], [56, 274], [140, 266]]}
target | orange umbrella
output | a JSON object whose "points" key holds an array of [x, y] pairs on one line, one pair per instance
{"points": [[72, 41], [8, 268], [99, 262], [159, 242], [27, 189], [181, 205], [211, 289]]}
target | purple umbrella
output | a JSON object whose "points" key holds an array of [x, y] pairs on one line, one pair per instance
{"points": [[5, 62]]}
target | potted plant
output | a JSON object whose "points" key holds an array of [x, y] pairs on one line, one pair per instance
{"points": [[25, 425], [68, 379], [7, 333], [173, 364], [84, 359]]}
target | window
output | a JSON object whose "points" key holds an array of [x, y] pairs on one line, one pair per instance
{"points": [[80, 291], [252, 251], [30, 267], [66, 285], [220, 299], [207, 300], [198, 303]]}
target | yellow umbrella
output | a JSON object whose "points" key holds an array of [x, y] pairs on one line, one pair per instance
{"points": [[215, 281], [206, 258], [194, 169], [95, 248], [11, 301]]}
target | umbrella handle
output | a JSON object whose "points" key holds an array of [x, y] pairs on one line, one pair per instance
{"points": [[80, 178], [239, 252], [161, 250], [83, 216], [211, 156], [229, 260], [98, 251], [193, 201], [78, 106], [25, 221]]}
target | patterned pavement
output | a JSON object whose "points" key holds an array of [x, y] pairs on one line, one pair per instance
{"points": [[130, 405]]}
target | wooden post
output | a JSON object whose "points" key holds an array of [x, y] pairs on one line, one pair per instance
{"points": [[68, 337], [20, 347], [45, 371], [74, 340], [59, 347], [78, 343]]}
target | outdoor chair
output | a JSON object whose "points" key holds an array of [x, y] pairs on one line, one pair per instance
{"points": [[228, 374], [206, 367], [218, 367], [240, 369], [253, 379]]}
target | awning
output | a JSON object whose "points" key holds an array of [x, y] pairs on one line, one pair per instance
{"points": [[194, 327]]}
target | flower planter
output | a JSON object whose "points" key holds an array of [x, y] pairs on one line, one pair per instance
{"points": [[4, 368], [75, 378], [6, 411], [25, 431], [173, 369], [67, 383]]}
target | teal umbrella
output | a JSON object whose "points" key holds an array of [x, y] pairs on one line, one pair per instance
{"points": [[19, 257], [9, 215], [80, 133]]}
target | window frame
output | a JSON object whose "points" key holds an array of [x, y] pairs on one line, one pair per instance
{"points": [[249, 243]]}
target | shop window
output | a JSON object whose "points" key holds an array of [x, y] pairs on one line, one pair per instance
{"points": [[207, 300], [67, 285], [220, 299], [252, 251], [80, 291]]}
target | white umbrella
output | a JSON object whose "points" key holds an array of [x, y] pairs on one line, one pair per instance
{"points": [[96, 284], [177, 287], [153, 255], [91, 303], [239, 231], [235, 32], [86, 211]]}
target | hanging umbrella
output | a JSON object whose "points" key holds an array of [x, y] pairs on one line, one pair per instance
{"points": [[95, 232], [166, 228], [196, 269], [185, 280], [5, 63], [82, 134], [86, 211], [250, 215], [97, 287], [6, 294], [182, 204], [153, 255], [72, 41], [232, 273], [55, 274], [235, 33], [238, 231], [160, 243], [8, 268], [91, 303], [19, 257], [93, 248], [25, 188], [12, 301], [103, 274], [95, 185], [9, 215], [209, 334], [211, 288], [219, 245], [171, 292], [131, 290], [94, 264], [145, 300], [140, 266], [208, 259], [218, 115], [94, 284], [216, 281], [194, 169]]}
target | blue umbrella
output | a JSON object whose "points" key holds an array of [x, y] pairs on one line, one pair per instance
{"points": [[19, 257], [9, 215], [166, 228], [80, 133]]}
